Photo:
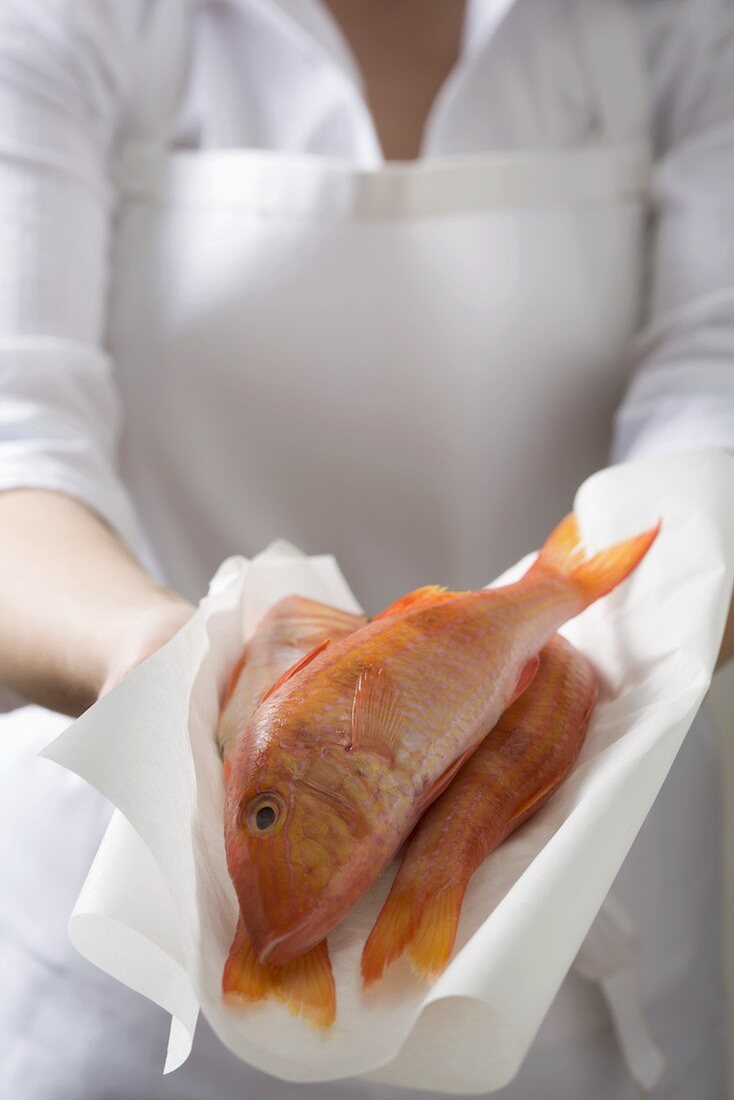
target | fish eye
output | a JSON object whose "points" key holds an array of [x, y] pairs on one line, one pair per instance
{"points": [[265, 817], [264, 813]]}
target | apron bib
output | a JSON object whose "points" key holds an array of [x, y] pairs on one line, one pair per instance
{"points": [[412, 367]]}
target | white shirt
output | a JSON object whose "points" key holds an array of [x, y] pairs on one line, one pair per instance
{"points": [[277, 74]]}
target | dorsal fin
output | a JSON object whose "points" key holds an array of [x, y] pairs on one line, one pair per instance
{"points": [[377, 715], [430, 593], [306, 660]]}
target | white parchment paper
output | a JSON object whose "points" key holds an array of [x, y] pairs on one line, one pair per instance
{"points": [[158, 909]]}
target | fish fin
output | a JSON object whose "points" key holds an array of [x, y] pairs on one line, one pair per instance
{"points": [[564, 556], [306, 986], [392, 930], [430, 593], [533, 803], [306, 622], [377, 718], [525, 678], [300, 664], [430, 947], [244, 975], [423, 929]]}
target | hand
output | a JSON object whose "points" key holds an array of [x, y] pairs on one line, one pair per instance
{"points": [[78, 611], [142, 634]]}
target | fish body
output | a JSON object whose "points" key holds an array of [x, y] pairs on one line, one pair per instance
{"points": [[292, 627], [515, 769], [341, 758]]}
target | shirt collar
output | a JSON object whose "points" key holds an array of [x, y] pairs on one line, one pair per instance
{"points": [[310, 26], [482, 21], [310, 23]]}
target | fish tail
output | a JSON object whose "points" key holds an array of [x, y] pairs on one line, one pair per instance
{"points": [[391, 932], [424, 929], [306, 986], [564, 556], [244, 975], [430, 948]]}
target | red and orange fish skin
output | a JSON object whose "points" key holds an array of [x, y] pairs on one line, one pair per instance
{"points": [[452, 664], [514, 771]]}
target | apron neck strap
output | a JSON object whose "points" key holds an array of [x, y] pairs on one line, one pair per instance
{"points": [[611, 43], [160, 70]]}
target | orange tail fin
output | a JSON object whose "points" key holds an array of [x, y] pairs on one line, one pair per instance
{"points": [[430, 949], [386, 942], [244, 975], [305, 985], [564, 556], [425, 931]]}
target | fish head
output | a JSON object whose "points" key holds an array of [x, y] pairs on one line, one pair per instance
{"points": [[302, 843]]}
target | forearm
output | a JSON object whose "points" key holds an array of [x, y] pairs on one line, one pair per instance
{"points": [[74, 603]]}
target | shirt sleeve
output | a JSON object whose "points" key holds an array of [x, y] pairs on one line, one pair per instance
{"points": [[64, 76], [682, 390]]}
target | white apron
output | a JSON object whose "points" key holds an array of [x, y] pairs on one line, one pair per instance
{"points": [[413, 367]]}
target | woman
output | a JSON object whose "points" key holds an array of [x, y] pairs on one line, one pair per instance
{"points": [[368, 279]]}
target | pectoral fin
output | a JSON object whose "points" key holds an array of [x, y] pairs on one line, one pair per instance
{"points": [[377, 713], [439, 785], [525, 678]]}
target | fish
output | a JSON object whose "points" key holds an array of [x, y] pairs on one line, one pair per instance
{"points": [[283, 636], [513, 772], [350, 747]]}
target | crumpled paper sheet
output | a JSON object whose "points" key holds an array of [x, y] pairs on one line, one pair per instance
{"points": [[158, 909]]}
